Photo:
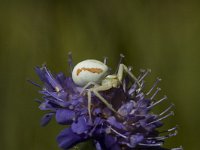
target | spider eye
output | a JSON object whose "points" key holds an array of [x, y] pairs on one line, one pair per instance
{"points": [[89, 71]]}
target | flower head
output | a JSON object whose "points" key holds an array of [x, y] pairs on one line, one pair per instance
{"points": [[134, 126]]}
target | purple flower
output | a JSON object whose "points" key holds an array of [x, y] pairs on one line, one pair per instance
{"points": [[134, 127]]}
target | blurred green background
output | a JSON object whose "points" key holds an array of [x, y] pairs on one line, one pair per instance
{"points": [[161, 35]]}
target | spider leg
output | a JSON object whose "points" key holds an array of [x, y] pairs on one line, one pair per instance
{"points": [[96, 90], [89, 104], [87, 85], [122, 69], [96, 93]]}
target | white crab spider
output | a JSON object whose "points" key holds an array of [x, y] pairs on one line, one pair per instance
{"points": [[94, 73]]}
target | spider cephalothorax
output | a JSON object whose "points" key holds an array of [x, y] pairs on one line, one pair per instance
{"points": [[95, 73]]}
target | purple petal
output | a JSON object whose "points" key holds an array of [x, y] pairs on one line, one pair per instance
{"points": [[98, 146], [70, 86], [135, 139], [67, 139], [65, 116], [60, 77], [113, 122], [97, 111], [47, 78], [51, 80], [132, 89], [144, 103], [81, 126], [46, 105], [111, 143], [40, 74], [125, 109], [46, 119]]}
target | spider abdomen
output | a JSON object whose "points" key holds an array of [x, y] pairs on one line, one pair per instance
{"points": [[89, 70]]}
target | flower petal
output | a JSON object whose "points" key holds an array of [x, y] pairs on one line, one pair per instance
{"points": [[135, 139], [67, 139], [81, 126], [65, 116], [111, 143], [113, 122], [125, 109], [46, 119]]}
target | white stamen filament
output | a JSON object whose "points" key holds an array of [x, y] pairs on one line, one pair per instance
{"points": [[118, 133], [154, 85], [156, 92], [166, 110], [145, 74], [170, 114], [157, 102]]}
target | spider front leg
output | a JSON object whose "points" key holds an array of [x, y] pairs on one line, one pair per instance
{"points": [[88, 85], [96, 91], [122, 69]]}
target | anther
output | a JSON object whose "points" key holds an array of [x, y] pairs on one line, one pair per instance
{"points": [[169, 130], [172, 129], [130, 68], [122, 56]]}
